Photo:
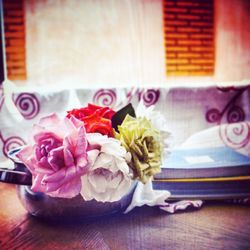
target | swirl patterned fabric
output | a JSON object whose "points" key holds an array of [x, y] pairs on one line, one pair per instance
{"points": [[27, 104], [105, 97], [149, 96], [237, 135], [187, 110], [11, 143]]}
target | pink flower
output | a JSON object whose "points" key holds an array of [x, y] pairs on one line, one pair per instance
{"points": [[57, 156]]}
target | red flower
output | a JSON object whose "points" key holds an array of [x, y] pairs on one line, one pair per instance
{"points": [[96, 119]]}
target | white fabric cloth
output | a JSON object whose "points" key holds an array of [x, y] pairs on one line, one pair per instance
{"points": [[145, 195], [234, 135]]}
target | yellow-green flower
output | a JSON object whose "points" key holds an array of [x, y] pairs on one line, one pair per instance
{"points": [[142, 140]]}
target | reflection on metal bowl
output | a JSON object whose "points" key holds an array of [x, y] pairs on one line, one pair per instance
{"points": [[46, 207]]}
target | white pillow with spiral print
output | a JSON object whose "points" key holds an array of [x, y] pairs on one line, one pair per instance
{"points": [[20, 110], [234, 135]]}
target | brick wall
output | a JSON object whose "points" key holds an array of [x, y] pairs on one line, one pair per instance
{"points": [[14, 27], [189, 37]]}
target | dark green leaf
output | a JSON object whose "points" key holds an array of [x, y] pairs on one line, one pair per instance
{"points": [[119, 116]]}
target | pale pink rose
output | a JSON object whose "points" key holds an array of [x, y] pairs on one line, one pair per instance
{"points": [[57, 156], [108, 178]]}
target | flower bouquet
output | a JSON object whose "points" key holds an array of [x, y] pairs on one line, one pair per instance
{"points": [[88, 163]]}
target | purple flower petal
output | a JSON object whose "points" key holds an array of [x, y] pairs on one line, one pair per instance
{"points": [[37, 184], [77, 123], [81, 143], [26, 156], [69, 190], [52, 187], [55, 177], [68, 158], [56, 158]]}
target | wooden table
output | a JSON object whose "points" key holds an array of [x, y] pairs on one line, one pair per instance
{"points": [[214, 226]]}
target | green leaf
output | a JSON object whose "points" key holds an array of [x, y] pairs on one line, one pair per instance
{"points": [[119, 116]]}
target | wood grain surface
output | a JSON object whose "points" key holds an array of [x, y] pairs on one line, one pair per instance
{"points": [[214, 226]]}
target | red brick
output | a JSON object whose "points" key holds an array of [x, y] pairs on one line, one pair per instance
{"points": [[208, 18], [207, 30], [170, 42], [15, 13], [16, 42], [12, 4], [168, 3], [178, 73], [189, 4], [208, 67], [17, 71], [15, 56], [171, 55], [202, 61], [19, 49], [176, 10], [8, 20], [201, 49], [175, 48], [189, 67], [177, 61], [188, 30], [14, 64], [208, 55], [208, 43], [171, 68], [176, 23], [169, 16], [201, 11], [169, 29], [188, 17], [189, 42], [201, 24], [189, 55], [15, 27], [14, 34], [201, 36], [176, 35], [202, 73]]}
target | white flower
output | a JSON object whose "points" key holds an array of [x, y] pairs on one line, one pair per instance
{"points": [[108, 178], [157, 119], [159, 122]]}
